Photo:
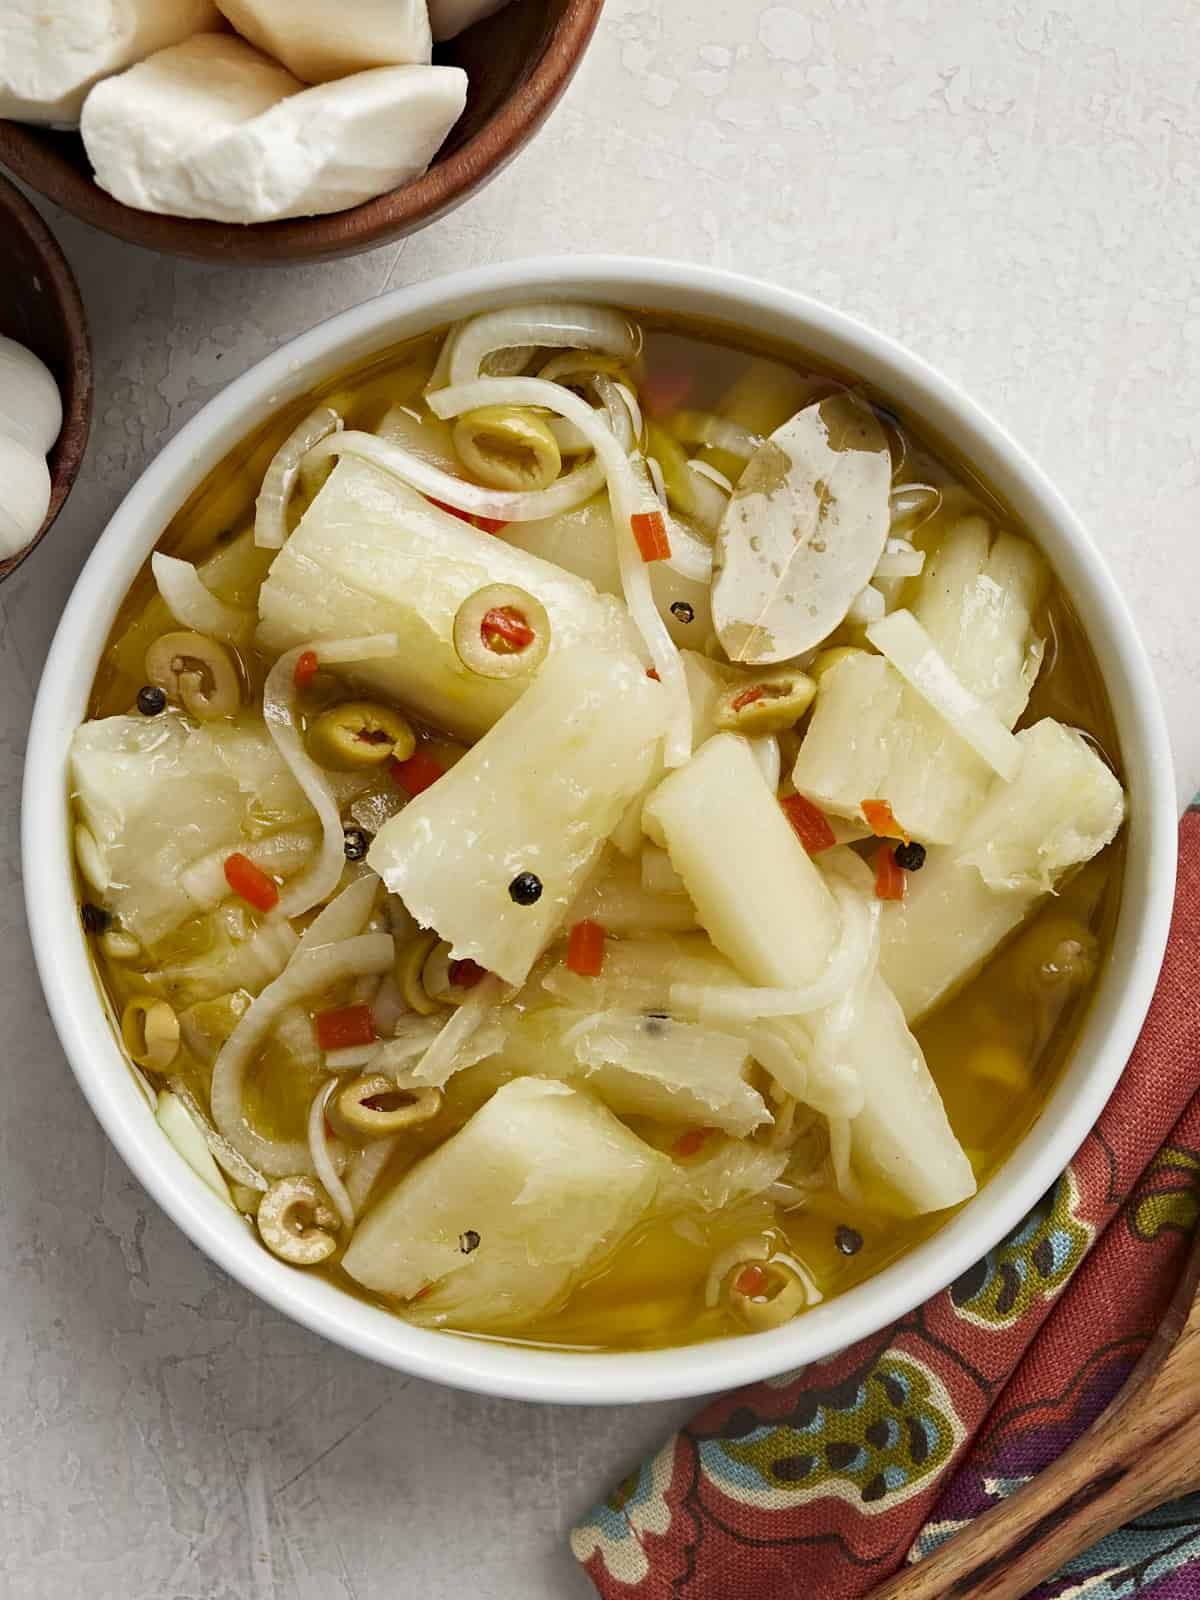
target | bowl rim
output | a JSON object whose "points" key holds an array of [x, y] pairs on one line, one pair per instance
{"points": [[445, 184], [509, 1369], [68, 451]]}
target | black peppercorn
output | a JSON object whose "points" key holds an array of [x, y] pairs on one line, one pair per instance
{"points": [[468, 1241], [848, 1240], [355, 844], [910, 856], [682, 611], [95, 918], [151, 700], [525, 889]]}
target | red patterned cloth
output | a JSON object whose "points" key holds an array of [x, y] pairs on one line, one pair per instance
{"points": [[819, 1484]]}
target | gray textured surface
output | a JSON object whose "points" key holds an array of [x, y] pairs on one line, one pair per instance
{"points": [[1012, 189]]}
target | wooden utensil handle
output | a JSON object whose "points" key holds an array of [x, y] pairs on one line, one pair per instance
{"points": [[1108, 1476]]}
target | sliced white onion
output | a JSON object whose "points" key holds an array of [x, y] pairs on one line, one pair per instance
{"points": [[298, 1036], [705, 470], [765, 750], [270, 509], [566, 325], [905, 643], [703, 428], [390, 1006], [568, 438], [351, 1057], [911, 505], [195, 606], [624, 413], [710, 495], [690, 556], [900, 560], [310, 971], [204, 881], [855, 953], [223, 1153], [322, 1160], [627, 496], [839, 1157], [867, 606], [657, 479], [365, 1167], [440, 1061], [279, 712], [573, 489]]}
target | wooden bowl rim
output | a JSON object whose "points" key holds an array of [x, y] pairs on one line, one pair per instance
{"points": [[402, 210], [67, 455]]}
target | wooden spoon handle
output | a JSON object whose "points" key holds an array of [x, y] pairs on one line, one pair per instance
{"points": [[1085, 1494], [1143, 1451]]}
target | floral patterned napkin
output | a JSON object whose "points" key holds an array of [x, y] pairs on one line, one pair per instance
{"points": [[819, 1484]]}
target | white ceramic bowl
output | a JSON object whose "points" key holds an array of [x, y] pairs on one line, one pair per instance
{"points": [[1113, 1020]]}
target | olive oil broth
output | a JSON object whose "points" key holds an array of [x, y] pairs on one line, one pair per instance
{"points": [[996, 1049]]}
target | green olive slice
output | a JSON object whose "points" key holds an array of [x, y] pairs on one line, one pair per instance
{"points": [[409, 970], [150, 1032], [508, 447], [360, 733], [501, 632], [767, 704], [766, 1294], [197, 673], [373, 1107]]}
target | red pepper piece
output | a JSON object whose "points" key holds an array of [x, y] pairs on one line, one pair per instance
{"points": [[694, 1140], [751, 1281], [810, 823], [881, 820], [256, 887], [748, 697], [585, 949], [338, 1030], [650, 531], [889, 876], [465, 974], [417, 773], [306, 669], [484, 524], [505, 631], [665, 391]]}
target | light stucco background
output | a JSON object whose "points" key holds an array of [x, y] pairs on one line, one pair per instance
{"points": [[1012, 188]]}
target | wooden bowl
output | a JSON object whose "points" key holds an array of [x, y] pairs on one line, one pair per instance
{"points": [[40, 306], [518, 62]]}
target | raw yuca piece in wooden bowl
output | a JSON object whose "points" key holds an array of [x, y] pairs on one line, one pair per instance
{"points": [[270, 115]]}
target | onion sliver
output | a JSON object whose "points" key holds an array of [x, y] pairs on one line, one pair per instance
{"points": [[270, 509], [905, 643], [709, 499], [195, 606], [204, 881], [627, 496], [365, 1166], [900, 560], [559, 326], [703, 428], [310, 971], [573, 489], [853, 957], [279, 712], [223, 1153], [440, 1061], [318, 1149]]}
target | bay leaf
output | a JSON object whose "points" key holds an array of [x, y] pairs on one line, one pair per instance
{"points": [[803, 531]]}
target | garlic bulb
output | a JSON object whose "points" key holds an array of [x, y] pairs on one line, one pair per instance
{"points": [[30, 419]]}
